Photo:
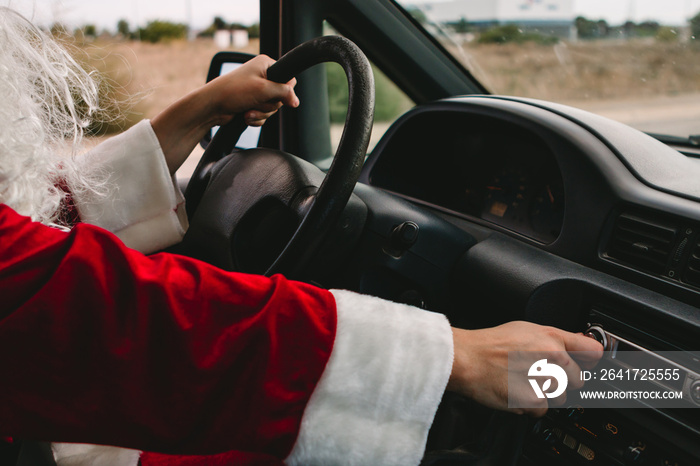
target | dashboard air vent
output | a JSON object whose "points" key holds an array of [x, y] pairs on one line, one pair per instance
{"points": [[692, 270], [642, 242]]}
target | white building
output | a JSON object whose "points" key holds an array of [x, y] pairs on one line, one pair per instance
{"points": [[226, 38]]}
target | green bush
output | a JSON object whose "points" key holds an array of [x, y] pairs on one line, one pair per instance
{"points": [[123, 28], [695, 27], [337, 92], [591, 29], [390, 101], [157, 31], [512, 33], [254, 31], [90, 30], [667, 34]]}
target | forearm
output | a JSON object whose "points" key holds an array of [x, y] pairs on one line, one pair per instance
{"points": [[183, 124]]}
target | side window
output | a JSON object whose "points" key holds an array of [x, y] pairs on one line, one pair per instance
{"points": [[390, 101], [147, 61]]}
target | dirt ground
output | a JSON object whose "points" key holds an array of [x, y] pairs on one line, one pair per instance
{"points": [[155, 75], [592, 70]]}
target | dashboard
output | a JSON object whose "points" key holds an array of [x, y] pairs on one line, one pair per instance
{"points": [[526, 210], [464, 163]]}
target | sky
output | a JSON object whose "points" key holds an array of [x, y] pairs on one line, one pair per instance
{"points": [[200, 13], [106, 13]]}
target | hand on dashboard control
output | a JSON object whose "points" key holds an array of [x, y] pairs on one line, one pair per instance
{"points": [[481, 367]]}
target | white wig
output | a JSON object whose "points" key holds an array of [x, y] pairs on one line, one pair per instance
{"points": [[46, 101]]}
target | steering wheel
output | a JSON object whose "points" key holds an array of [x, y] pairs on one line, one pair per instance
{"points": [[266, 211]]}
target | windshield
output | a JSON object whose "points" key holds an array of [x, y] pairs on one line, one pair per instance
{"points": [[635, 61]]}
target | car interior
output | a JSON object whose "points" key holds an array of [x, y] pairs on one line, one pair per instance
{"points": [[483, 207]]}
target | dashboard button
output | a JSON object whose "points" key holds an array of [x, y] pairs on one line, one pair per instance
{"points": [[404, 235], [401, 238], [586, 452], [570, 441], [695, 391]]}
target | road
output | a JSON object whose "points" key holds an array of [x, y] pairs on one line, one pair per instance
{"points": [[674, 115]]}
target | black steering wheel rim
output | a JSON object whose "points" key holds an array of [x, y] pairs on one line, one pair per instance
{"points": [[339, 182]]}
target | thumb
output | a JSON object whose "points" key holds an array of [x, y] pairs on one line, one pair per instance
{"points": [[276, 92]]}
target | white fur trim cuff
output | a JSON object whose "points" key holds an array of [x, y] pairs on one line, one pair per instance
{"points": [[377, 397], [81, 454], [144, 207]]}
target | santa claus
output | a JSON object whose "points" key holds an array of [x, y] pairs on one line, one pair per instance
{"points": [[103, 344]]}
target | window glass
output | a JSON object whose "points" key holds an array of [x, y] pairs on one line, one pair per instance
{"points": [[390, 101], [633, 61]]}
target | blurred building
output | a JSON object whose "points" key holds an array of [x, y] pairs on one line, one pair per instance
{"points": [[231, 38], [550, 17]]}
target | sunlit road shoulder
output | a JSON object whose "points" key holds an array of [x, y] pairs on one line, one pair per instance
{"points": [[676, 115]]}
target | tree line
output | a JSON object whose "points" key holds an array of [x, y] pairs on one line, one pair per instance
{"points": [[586, 29], [157, 30]]}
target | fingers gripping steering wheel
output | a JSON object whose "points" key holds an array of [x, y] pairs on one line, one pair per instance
{"points": [[266, 211]]}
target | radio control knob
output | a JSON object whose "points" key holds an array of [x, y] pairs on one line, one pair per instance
{"points": [[598, 334], [695, 391], [404, 235]]}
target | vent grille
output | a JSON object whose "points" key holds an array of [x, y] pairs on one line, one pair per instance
{"points": [[692, 269], [642, 242]]}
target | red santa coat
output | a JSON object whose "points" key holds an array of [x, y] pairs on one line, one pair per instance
{"points": [[165, 342], [163, 353]]}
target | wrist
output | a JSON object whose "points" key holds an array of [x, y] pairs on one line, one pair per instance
{"points": [[459, 380], [182, 125], [211, 112]]}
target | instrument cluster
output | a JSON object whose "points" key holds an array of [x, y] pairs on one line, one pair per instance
{"points": [[498, 172]]}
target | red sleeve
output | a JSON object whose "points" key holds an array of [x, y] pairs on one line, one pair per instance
{"points": [[101, 344]]}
